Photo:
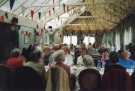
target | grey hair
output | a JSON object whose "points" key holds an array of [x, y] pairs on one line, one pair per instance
{"points": [[59, 56], [15, 52], [88, 61]]}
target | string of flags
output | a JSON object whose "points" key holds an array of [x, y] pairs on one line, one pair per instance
{"points": [[26, 33], [29, 34], [11, 2], [50, 11]]}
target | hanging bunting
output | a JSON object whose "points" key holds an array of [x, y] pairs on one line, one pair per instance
{"points": [[53, 1], [37, 26], [58, 17], [22, 33], [64, 8], [39, 15], [29, 34], [26, 33], [36, 32], [32, 14], [67, 8], [12, 4], [54, 10], [49, 12], [59, 3], [1, 18], [6, 15], [42, 30]]}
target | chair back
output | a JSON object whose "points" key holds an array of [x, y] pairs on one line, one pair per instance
{"points": [[4, 78], [27, 79], [116, 80], [133, 81], [72, 82], [114, 66], [89, 80]]}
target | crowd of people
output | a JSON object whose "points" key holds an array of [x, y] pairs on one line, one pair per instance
{"points": [[64, 57]]}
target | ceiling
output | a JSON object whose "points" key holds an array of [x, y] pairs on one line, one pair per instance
{"points": [[24, 7], [98, 15], [105, 14]]}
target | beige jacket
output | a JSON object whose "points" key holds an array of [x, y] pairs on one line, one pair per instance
{"points": [[62, 81]]}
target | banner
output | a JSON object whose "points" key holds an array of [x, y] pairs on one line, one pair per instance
{"points": [[54, 10], [39, 15], [11, 3], [6, 15], [64, 8], [49, 12], [32, 14], [1, 18]]}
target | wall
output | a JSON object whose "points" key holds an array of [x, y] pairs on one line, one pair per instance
{"points": [[122, 34], [25, 25], [25, 41], [21, 20]]}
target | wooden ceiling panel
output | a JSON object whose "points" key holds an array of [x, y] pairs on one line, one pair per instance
{"points": [[107, 14]]}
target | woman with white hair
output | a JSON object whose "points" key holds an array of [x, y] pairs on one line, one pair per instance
{"points": [[88, 62]]}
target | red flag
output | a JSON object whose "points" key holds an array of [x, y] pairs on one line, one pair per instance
{"points": [[49, 12], [1, 18], [32, 14]]}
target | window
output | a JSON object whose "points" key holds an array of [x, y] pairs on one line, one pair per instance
{"points": [[128, 36], [70, 40], [117, 42], [89, 39]]}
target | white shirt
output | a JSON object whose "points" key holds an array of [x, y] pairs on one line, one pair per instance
{"points": [[68, 60], [80, 60]]}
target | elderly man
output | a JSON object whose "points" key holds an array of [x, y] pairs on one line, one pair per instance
{"points": [[125, 61], [59, 58], [88, 62]]}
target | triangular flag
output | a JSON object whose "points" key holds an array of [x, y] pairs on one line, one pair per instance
{"points": [[32, 14], [49, 12], [54, 10], [64, 8], [1, 18], [53, 1], [39, 15], [12, 4], [6, 15], [67, 8], [58, 17], [37, 26]]}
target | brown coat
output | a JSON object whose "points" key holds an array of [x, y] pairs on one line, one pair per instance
{"points": [[57, 79]]}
